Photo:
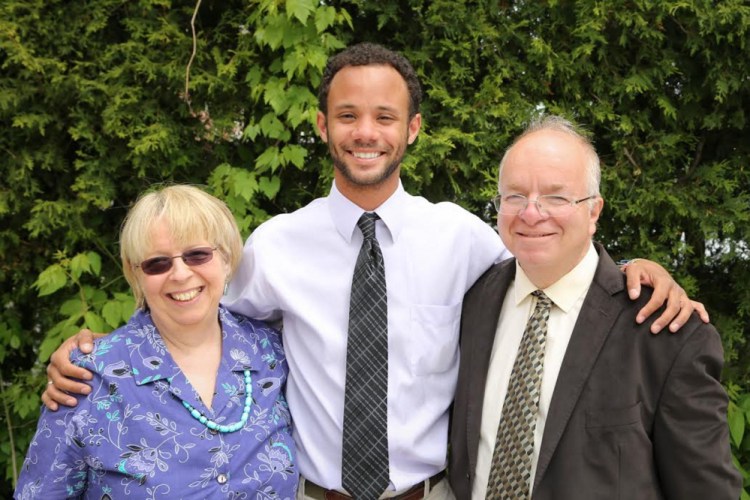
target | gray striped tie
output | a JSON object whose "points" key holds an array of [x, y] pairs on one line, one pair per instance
{"points": [[365, 451], [511, 461]]}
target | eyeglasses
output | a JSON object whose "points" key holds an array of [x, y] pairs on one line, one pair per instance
{"points": [[549, 205], [194, 257]]}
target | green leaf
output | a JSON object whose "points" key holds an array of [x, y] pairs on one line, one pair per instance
{"points": [[244, 184], [272, 127], [79, 264], [270, 186], [324, 17], [95, 262], [301, 9], [268, 159], [294, 154], [736, 419], [93, 322], [51, 280], [73, 308], [112, 313]]}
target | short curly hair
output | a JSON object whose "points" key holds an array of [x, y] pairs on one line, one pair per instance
{"points": [[370, 54]]}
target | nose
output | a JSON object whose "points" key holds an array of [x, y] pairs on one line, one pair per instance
{"points": [[365, 130], [532, 213], [179, 270]]}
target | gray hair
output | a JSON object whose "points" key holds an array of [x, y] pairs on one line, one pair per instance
{"points": [[560, 124]]}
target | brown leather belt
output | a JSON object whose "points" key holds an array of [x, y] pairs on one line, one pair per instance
{"points": [[416, 492]]}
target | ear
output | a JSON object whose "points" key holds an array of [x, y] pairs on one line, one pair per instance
{"points": [[322, 126], [227, 270], [414, 125], [596, 211]]}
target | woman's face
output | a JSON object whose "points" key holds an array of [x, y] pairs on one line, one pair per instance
{"points": [[185, 298]]}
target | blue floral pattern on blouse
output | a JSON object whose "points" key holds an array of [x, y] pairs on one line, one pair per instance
{"points": [[131, 437]]}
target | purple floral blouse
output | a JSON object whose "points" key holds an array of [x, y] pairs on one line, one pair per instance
{"points": [[131, 437]]}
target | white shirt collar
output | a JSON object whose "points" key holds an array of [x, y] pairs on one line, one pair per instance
{"points": [[565, 291], [345, 213]]}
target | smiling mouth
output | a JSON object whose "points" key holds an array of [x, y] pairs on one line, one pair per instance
{"points": [[535, 235], [365, 156], [186, 296]]}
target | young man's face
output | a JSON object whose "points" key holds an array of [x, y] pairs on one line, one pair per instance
{"points": [[368, 127]]}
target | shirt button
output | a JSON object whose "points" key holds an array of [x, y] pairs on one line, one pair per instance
{"points": [[221, 478], [213, 431]]}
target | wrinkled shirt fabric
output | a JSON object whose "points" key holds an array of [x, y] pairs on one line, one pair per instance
{"points": [[298, 267]]}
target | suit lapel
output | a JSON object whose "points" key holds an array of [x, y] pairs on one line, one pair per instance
{"points": [[479, 334], [592, 328]]}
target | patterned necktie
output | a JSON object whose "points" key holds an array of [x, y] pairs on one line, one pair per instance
{"points": [[511, 461], [365, 451]]}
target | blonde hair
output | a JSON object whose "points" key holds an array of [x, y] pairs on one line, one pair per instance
{"points": [[190, 214]]}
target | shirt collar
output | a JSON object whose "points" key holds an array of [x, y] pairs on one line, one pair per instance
{"points": [[345, 213], [152, 361], [565, 291]]}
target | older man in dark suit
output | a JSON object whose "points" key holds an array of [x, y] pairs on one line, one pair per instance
{"points": [[561, 395]]}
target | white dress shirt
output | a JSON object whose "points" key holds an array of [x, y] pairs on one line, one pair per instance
{"points": [[299, 266], [567, 295]]}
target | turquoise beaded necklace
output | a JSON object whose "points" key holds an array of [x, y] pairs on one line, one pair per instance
{"points": [[231, 427]]}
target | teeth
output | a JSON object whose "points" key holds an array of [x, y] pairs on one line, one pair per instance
{"points": [[366, 156], [185, 296]]}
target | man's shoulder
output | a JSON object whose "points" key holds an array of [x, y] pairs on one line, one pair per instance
{"points": [[610, 282], [444, 208], [452, 218], [501, 272], [291, 222]]}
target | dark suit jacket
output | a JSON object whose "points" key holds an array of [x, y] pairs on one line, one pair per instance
{"points": [[633, 415]]}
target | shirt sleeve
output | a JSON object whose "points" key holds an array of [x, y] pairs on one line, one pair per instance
{"points": [[55, 465], [487, 246], [249, 292]]}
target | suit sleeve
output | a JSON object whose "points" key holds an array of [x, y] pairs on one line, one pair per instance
{"points": [[691, 434]]}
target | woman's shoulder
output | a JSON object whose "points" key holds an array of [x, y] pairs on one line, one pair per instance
{"points": [[266, 338], [249, 325], [110, 348]]}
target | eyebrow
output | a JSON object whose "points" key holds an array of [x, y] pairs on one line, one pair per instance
{"points": [[348, 106], [555, 188]]}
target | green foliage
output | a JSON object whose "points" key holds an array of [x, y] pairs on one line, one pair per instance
{"points": [[739, 424], [100, 100]]}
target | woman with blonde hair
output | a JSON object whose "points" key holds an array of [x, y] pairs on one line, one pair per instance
{"points": [[187, 398]]}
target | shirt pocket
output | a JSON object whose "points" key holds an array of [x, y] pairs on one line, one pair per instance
{"points": [[433, 338]]}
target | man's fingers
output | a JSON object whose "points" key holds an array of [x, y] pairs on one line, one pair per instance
{"points": [[52, 397], [701, 310], [654, 303], [684, 315], [60, 364], [85, 339], [61, 381], [633, 276], [49, 402], [676, 300]]}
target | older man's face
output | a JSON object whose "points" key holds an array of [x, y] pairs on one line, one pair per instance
{"points": [[548, 162]]}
